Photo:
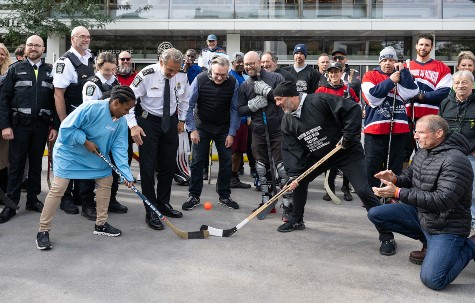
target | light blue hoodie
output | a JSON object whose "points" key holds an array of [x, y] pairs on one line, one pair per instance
{"points": [[91, 120]]}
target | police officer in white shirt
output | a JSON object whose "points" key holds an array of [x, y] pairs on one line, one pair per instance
{"points": [[70, 73], [104, 79], [158, 118]]}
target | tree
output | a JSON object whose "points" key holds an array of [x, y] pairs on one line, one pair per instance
{"points": [[51, 17]]}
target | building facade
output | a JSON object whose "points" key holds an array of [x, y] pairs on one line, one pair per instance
{"points": [[361, 27]]}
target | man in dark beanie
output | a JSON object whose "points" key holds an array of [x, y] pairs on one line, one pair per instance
{"points": [[312, 126], [307, 77]]}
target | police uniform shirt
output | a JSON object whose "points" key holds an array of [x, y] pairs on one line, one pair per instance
{"points": [[33, 64], [64, 72], [90, 91], [149, 85]]}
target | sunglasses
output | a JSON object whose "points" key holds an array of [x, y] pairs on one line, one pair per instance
{"points": [[124, 59], [338, 58]]}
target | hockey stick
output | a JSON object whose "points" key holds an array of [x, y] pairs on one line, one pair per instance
{"points": [[266, 211], [202, 234], [330, 193], [50, 163], [210, 161], [229, 232]]}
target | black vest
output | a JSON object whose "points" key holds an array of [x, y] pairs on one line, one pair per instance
{"points": [[214, 103], [103, 86], [73, 94]]}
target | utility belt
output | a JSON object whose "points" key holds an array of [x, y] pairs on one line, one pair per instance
{"points": [[19, 117]]}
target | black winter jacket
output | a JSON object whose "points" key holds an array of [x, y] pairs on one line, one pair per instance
{"points": [[439, 183], [323, 120], [460, 116], [274, 114]]}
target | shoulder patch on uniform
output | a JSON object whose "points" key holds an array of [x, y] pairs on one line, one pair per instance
{"points": [[90, 90], [137, 81], [148, 71], [60, 68]]}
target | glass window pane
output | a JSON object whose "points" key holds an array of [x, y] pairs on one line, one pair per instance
{"points": [[340, 9], [139, 9], [201, 9], [406, 9], [267, 9], [458, 9]]}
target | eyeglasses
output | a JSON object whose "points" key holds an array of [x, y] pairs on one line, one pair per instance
{"points": [[83, 37], [250, 64], [31, 45], [335, 58], [223, 76], [125, 59]]}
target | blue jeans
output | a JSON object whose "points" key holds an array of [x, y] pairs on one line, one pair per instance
{"points": [[447, 254], [200, 154], [472, 161]]}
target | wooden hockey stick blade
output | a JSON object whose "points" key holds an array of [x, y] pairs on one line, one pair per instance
{"points": [[266, 211], [182, 234], [332, 195], [229, 232]]}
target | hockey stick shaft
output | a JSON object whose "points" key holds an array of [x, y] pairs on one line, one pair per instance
{"points": [[182, 234], [228, 232], [50, 162]]}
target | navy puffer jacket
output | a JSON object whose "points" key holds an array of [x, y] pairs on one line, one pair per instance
{"points": [[439, 183]]}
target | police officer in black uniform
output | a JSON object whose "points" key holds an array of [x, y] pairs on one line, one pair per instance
{"points": [[26, 114], [70, 73]]}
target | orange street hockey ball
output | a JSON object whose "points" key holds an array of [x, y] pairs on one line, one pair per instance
{"points": [[208, 205]]}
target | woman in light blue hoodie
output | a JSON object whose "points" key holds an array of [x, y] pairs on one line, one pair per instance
{"points": [[95, 126]]}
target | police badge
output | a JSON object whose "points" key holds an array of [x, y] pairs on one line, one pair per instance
{"points": [[90, 90], [60, 68]]}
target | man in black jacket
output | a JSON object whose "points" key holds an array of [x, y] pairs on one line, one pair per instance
{"points": [[256, 100], [312, 126], [215, 95], [435, 191], [26, 114]]}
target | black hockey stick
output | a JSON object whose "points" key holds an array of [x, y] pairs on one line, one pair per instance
{"points": [[50, 163], [202, 234], [266, 211], [229, 232]]}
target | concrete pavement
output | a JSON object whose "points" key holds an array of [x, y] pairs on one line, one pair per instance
{"points": [[335, 259]]}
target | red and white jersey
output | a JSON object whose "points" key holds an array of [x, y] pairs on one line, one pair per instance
{"points": [[435, 81]]}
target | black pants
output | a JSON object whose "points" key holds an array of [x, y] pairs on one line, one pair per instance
{"points": [[376, 151], [353, 165], [29, 141], [157, 153]]}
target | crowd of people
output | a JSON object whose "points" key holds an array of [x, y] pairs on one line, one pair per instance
{"points": [[414, 172]]}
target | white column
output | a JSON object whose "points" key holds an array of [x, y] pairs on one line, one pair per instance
{"points": [[233, 43], [56, 47]]}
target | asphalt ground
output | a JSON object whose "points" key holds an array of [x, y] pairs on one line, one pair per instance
{"points": [[335, 259]]}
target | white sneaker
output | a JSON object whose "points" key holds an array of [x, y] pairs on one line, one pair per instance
{"points": [[138, 178]]}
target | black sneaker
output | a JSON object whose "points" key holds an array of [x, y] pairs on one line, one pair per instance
{"points": [[229, 203], [191, 203], [236, 183], [388, 247], [346, 193], [42, 240], [107, 230], [89, 212], [326, 197], [291, 226]]}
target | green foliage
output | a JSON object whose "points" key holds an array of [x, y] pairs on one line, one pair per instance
{"points": [[51, 17]]}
